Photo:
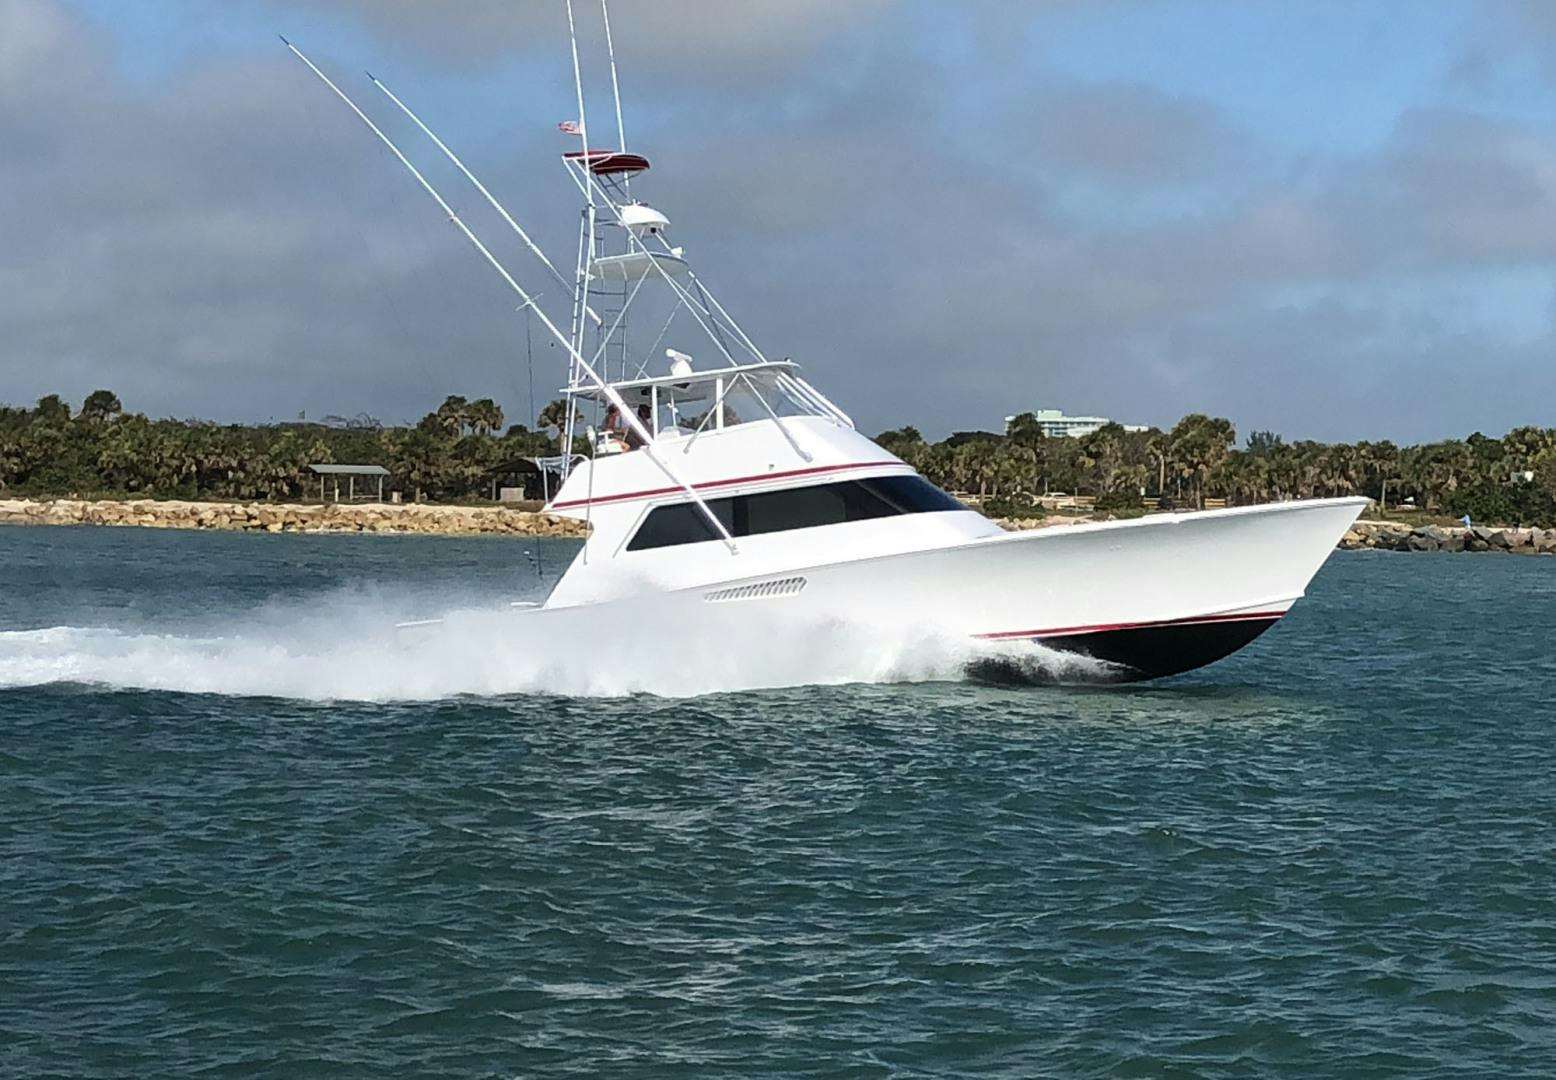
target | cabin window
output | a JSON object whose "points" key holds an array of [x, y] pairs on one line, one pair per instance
{"points": [[682, 523], [910, 494], [793, 508]]}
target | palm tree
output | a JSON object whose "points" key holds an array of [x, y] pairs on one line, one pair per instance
{"points": [[554, 418], [1525, 447], [1200, 445], [485, 416], [1544, 474], [10, 458], [1435, 472], [453, 415], [1024, 428], [419, 460], [1159, 446], [51, 409], [1009, 468], [1102, 457], [1246, 478], [1377, 465], [937, 466], [100, 406]]}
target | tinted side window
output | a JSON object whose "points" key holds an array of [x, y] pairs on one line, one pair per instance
{"points": [[807, 507], [911, 494], [682, 523], [795, 508]]}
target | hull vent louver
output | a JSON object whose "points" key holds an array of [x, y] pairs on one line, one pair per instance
{"points": [[762, 590]]}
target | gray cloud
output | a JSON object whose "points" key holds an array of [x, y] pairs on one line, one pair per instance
{"points": [[227, 245], [226, 241], [676, 37], [1138, 136]]}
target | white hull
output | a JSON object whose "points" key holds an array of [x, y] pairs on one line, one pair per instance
{"points": [[1153, 596]]}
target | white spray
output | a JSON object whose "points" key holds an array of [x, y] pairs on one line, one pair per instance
{"points": [[346, 647]]}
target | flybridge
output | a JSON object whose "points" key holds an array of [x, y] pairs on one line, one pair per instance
{"points": [[688, 402]]}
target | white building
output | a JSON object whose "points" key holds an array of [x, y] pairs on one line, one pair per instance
{"points": [[1055, 425]]}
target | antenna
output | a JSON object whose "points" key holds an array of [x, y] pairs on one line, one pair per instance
{"points": [[610, 50], [441, 145], [627, 414], [583, 121]]}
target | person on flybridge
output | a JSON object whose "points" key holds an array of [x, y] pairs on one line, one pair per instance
{"points": [[612, 429], [619, 434], [618, 437]]}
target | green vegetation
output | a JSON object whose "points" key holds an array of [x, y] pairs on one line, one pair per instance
{"points": [[458, 450], [454, 453], [1511, 480]]}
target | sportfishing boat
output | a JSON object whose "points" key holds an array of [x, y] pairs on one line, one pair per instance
{"points": [[727, 478]]}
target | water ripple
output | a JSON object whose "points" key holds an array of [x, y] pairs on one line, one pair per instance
{"points": [[1329, 856]]}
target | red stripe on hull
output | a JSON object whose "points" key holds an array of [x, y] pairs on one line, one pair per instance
{"points": [[654, 493], [1066, 631]]}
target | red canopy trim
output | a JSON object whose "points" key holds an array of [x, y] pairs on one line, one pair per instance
{"points": [[609, 162]]}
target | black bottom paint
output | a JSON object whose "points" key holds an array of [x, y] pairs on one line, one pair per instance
{"points": [[1134, 654]]}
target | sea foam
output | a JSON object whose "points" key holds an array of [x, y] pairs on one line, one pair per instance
{"points": [[347, 647]]}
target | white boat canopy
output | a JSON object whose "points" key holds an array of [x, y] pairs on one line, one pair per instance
{"points": [[635, 265]]}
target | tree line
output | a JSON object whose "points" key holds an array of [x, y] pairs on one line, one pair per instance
{"points": [[1509, 480], [455, 452], [460, 449]]}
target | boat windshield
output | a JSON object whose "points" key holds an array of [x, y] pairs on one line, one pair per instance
{"points": [[694, 403], [728, 403]]}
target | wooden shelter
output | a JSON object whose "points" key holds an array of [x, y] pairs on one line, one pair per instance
{"points": [[350, 472]]}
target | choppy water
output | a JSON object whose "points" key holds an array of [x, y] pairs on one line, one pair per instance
{"points": [[242, 832]]}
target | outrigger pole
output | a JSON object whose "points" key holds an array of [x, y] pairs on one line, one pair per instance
{"points": [[605, 388], [585, 248], [610, 50], [460, 165]]}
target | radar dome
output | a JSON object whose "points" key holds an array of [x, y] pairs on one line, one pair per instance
{"points": [[644, 219]]}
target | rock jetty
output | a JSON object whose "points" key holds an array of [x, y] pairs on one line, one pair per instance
{"points": [[1395, 536], [1392, 536], [290, 517]]}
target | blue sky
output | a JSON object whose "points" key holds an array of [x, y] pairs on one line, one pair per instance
{"points": [[1335, 220]]}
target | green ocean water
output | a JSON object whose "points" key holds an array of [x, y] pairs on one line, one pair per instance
{"points": [[245, 830]]}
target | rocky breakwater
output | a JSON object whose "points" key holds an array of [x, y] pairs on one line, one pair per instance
{"points": [[1394, 536], [289, 517]]}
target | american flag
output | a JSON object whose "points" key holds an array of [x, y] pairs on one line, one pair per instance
{"points": [[569, 127]]}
